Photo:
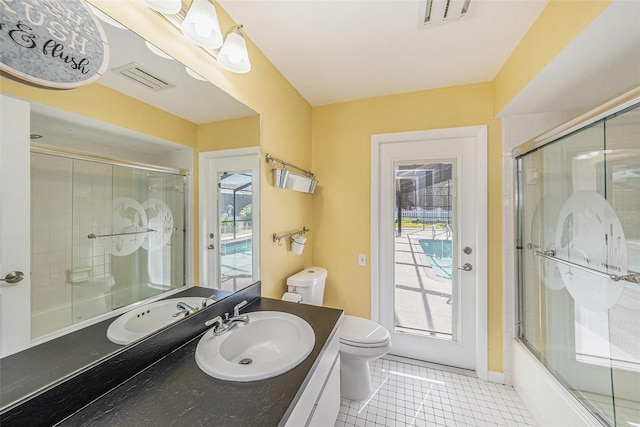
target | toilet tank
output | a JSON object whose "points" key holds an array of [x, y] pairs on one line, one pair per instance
{"points": [[309, 283]]}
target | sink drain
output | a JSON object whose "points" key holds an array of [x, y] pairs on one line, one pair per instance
{"points": [[246, 361]]}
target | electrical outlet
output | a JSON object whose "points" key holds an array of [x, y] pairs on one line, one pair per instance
{"points": [[362, 260]]}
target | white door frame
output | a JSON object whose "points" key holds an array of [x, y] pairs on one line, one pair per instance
{"points": [[15, 224], [204, 189], [479, 133]]}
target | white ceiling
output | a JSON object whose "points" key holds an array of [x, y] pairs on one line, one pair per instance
{"points": [[337, 50]]}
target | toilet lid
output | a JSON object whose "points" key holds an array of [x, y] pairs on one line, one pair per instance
{"points": [[359, 331]]}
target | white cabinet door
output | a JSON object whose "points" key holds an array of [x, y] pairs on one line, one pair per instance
{"points": [[322, 392], [326, 409], [15, 311]]}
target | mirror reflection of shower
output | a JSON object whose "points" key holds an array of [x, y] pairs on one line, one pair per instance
{"points": [[103, 236]]}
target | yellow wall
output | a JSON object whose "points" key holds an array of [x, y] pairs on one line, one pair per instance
{"points": [[341, 158], [228, 134], [101, 103], [285, 129], [558, 24], [340, 150]]}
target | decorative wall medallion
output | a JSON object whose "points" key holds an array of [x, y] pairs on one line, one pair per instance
{"points": [[53, 43], [129, 222], [589, 233], [160, 219]]}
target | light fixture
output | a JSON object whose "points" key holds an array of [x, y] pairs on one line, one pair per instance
{"points": [[165, 6], [201, 25], [159, 52], [195, 75], [233, 54]]}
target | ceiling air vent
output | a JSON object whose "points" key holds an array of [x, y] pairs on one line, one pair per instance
{"points": [[436, 11], [143, 77]]}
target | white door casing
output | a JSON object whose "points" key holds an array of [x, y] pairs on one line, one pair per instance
{"points": [[15, 225], [468, 146]]}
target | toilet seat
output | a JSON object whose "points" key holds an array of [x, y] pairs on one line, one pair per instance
{"points": [[363, 333]]}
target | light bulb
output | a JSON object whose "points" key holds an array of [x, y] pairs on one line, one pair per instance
{"points": [[202, 28], [201, 25], [233, 55]]}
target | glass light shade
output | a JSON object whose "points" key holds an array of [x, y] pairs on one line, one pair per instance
{"points": [[233, 55], [201, 25], [159, 52], [195, 75], [165, 6]]}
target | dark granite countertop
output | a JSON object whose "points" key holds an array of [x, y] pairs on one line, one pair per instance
{"points": [[37, 367], [175, 391]]}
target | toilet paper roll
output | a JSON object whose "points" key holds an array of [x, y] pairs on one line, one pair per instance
{"points": [[292, 297]]}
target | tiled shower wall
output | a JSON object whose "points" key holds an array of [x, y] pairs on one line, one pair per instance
{"points": [[51, 231], [66, 266]]}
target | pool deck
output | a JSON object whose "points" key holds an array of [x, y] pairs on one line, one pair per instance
{"points": [[423, 300]]}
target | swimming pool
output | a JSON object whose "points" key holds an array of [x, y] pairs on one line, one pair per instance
{"points": [[232, 247], [439, 253]]}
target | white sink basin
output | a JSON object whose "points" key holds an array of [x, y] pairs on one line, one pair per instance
{"points": [[144, 320], [270, 344]]}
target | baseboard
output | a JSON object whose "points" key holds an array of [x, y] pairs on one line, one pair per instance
{"points": [[495, 377]]}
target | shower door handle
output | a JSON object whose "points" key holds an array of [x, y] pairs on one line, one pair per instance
{"points": [[466, 267], [13, 277]]}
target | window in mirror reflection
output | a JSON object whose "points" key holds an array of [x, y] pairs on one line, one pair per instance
{"points": [[102, 237], [230, 208], [235, 230]]}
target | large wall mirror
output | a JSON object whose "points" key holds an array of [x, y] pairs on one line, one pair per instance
{"points": [[84, 170]]}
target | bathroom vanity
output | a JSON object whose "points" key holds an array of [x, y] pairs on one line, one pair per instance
{"points": [[173, 389]]}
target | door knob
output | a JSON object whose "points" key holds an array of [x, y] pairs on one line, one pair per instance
{"points": [[466, 267], [13, 277]]}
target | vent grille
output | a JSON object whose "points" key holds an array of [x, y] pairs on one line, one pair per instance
{"points": [[143, 77], [436, 11]]}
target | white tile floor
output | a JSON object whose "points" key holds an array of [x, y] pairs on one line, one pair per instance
{"points": [[409, 393]]}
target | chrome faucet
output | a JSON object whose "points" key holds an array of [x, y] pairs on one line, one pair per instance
{"points": [[220, 325], [205, 301], [185, 309], [236, 309]]}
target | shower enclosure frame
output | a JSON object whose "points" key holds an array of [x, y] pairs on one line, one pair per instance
{"points": [[73, 155], [609, 109]]}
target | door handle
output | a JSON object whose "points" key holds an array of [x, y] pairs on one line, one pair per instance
{"points": [[210, 247], [466, 267], [13, 277]]}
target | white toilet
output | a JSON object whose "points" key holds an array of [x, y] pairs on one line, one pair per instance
{"points": [[361, 340]]}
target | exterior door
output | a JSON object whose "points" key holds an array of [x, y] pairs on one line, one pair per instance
{"points": [[230, 208], [429, 268], [15, 303]]}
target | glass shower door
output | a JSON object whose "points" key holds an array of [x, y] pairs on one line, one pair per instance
{"points": [[103, 236], [579, 239], [557, 306], [623, 193]]}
